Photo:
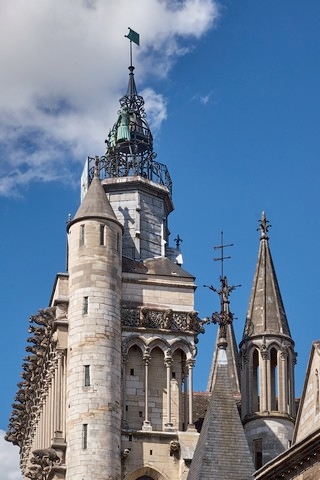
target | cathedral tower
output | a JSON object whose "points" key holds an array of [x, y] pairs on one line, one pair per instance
{"points": [[93, 374], [267, 363]]}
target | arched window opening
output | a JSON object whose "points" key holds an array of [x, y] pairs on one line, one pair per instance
{"points": [[274, 378], [255, 382], [134, 386], [157, 389], [177, 388]]}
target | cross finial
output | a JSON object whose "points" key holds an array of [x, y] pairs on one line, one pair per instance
{"points": [[264, 226], [178, 241], [222, 258]]}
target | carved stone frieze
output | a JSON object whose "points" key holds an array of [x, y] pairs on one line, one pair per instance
{"points": [[166, 319]]}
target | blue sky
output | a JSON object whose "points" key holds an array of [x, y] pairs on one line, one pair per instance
{"points": [[233, 97]]}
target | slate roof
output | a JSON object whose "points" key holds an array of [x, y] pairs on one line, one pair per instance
{"points": [[95, 204], [232, 355], [155, 266], [266, 313], [222, 451]]}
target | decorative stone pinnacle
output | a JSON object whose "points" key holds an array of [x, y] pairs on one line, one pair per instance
{"points": [[264, 226]]}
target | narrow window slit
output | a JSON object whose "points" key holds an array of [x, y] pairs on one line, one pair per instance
{"points": [[101, 234], [85, 305], [85, 436], [82, 235], [87, 375]]}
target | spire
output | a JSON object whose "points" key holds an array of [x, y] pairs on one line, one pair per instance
{"points": [[266, 312], [226, 346], [222, 427], [129, 149]]}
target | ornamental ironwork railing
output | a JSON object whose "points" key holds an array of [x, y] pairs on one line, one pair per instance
{"points": [[122, 164]]}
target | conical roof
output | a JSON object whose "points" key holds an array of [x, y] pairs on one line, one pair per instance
{"points": [[227, 335], [232, 356], [266, 313], [95, 204], [222, 450]]}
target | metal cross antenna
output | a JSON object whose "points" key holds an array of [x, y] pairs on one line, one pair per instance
{"points": [[222, 258]]}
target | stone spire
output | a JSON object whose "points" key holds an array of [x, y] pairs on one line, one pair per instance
{"points": [[266, 313], [225, 335], [222, 427]]}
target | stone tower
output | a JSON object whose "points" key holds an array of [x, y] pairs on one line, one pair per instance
{"points": [[267, 363], [159, 324], [107, 390], [93, 372]]}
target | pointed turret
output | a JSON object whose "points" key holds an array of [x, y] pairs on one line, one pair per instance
{"points": [[267, 363], [95, 203], [222, 427]]}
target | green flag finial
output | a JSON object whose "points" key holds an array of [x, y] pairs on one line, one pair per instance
{"points": [[133, 36]]}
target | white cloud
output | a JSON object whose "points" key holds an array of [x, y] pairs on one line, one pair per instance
{"points": [[9, 460], [205, 98], [63, 71]]}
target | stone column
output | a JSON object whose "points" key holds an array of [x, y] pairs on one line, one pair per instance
{"points": [[190, 365], [263, 380], [124, 374], [168, 363], [58, 396], [283, 383], [146, 358], [185, 396], [292, 363]]}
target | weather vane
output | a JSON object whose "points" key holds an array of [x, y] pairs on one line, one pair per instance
{"points": [[135, 38]]}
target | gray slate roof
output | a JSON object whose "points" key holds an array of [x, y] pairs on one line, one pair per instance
{"points": [[222, 452], [95, 203], [266, 312], [155, 266], [232, 355]]}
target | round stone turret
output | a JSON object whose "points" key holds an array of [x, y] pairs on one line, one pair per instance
{"points": [[93, 413]]}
